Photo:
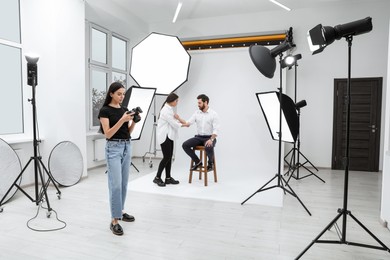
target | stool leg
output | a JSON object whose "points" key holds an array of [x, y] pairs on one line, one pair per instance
{"points": [[215, 169], [190, 177], [201, 167], [205, 167]]}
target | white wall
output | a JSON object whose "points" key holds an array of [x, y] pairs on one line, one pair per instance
{"points": [[55, 30], [49, 30], [370, 58], [244, 149], [315, 73], [385, 205], [117, 20]]}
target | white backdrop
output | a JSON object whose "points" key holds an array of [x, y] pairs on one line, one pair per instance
{"points": [[245, 151]]}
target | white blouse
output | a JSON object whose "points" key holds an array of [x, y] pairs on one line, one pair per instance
{"points": [[167, 125]]}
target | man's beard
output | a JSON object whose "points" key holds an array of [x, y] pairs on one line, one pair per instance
{"points": [[202, 107]]}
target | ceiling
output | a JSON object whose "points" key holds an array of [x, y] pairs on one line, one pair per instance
{"points": [[156, 11]]}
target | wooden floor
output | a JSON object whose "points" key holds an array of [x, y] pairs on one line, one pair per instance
{"points": [[169, 227]]}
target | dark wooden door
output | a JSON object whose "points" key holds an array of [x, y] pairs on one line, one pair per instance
{"points": [[365, 120]]}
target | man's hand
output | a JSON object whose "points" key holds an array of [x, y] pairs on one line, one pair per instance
{"points": [[209, 143]]}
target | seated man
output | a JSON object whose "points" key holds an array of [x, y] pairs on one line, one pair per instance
{"points": [[207, 124]]}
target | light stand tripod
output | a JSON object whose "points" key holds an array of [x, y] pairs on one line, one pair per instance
{"points": [[39, 167], [294, 164], [153, 139], [281, 182], [344, 211]]}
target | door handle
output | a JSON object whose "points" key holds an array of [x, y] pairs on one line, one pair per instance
{"points": [[373, 128]]}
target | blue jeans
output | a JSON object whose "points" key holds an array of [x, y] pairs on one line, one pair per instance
{"points": [[118, 158]]}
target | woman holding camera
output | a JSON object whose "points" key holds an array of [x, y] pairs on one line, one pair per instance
{"points": [[167, 131], [116, 123]]}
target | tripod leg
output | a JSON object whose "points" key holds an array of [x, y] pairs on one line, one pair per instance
{"points": [[14, 184], [319, 235], [285, 158], [259, 190], [291, 191], [294, 169], [291, 164], [307, 160], [50, 178], [311, 173], [384, 247], [44, 190], [132, 164]]}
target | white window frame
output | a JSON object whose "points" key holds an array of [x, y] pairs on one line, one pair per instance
{"points": [[104, 67], [17, 45]]}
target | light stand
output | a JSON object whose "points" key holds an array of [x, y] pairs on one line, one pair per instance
{"points": [[39, 167], [347, 31], [138, 99], [294, 164], [153, 138], [258, 58]]}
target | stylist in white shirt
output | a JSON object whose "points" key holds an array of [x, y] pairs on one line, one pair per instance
{"points": [[167, 131]]}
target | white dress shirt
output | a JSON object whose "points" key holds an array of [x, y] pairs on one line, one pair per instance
{"points": [[207, 123], [167, 125]]}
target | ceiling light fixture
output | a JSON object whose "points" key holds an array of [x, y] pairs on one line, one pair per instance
{"points": [[281, 5], [177, 11]]}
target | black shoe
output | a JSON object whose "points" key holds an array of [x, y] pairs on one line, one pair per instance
{"points": [[159, 182], [196, 166], [171, 181], [127, 218], [210, 167], [116, 229]]}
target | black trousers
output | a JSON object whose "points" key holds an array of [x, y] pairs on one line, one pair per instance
{"points": [[199, 140], [166, 162]]}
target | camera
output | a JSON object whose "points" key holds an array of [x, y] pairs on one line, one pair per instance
{"points": [[136, 116]]}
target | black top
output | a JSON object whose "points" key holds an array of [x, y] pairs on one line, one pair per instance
{"points": [[114, 114]]}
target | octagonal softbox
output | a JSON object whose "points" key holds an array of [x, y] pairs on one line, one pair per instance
{"points": [[160, 61]]}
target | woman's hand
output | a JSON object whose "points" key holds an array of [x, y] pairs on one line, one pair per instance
{"points": [[127, 116]]}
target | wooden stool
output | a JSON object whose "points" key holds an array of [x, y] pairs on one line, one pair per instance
{"points": [[203, 169]]}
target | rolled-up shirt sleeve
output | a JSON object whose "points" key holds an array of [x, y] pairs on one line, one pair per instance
{"points": [[167, 125], [169, 117]]}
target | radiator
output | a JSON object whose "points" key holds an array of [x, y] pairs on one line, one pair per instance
{"points": [[99, 149]]}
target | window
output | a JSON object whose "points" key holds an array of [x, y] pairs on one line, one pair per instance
{"points": [[9, 20], [99, 46], [11, 98], [108, 62]]}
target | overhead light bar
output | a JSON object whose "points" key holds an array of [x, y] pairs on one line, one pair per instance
{"points": [[281, 5], [177, 11]]}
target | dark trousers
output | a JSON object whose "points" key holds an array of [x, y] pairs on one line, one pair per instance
{"points": [[196, 141], [166, 162]]}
